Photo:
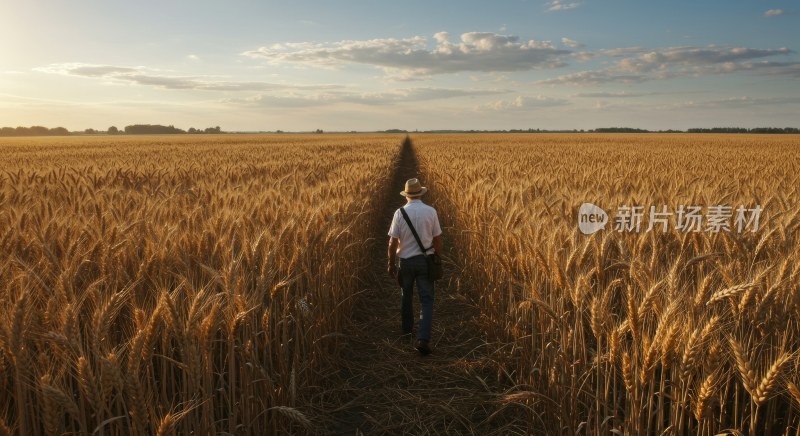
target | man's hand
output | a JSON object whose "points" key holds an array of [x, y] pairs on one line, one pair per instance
{"points": [[437, 244], [394, 244]]}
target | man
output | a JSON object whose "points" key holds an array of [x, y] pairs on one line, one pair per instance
{"points": [[413, 264]]}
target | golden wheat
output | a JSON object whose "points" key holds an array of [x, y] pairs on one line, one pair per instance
{"points": [[148, 275], [672, 296], [144, 274]]}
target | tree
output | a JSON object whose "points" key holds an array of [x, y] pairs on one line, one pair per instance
{"points": [[113, 130], [36, 130], [58, 131], [151, 129]]}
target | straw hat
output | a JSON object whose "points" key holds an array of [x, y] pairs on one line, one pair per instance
{"points": [[413, 188]]}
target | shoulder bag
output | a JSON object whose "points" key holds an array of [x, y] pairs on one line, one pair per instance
{"points": [[435, 270]]}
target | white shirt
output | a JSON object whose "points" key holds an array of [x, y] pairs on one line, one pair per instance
{"points": [[426, 223]]}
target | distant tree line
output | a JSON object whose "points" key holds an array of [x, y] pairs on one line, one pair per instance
{"points": [[33, 131], [743, 130], [206, 130], [152, 129], [156, 129], [135, 129], [620, 130]]}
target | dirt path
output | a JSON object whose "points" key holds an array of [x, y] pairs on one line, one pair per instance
{"points": [[385, 387]]}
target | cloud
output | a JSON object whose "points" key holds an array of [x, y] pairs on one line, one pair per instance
{"points": [[474, 51], [90, 70], [522, 103], [767, 68], [271, 95], [641, 64], [385, 98], [623, 94], [419, 94], [670, 57], [788, 69], [145, 77], [592, 78], [738, 102], [584, 56], [282, 101], [774, 12], [571, 43], [557, 5]]}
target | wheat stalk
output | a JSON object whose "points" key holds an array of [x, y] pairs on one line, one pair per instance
{"points": [[88, 383], [745, 368], [770, 379], [730, 292], [706, 394]]}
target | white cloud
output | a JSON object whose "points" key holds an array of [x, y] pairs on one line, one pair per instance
{"points": [[571, 43], [774, 12], [146, 77], [87, 70], [693, 56], [475, 51], [406, 75], [557, 5], [385, 98], [640, 64], [584, 56], [623, 51], [738, 102], [623, 94], [522, 103], [592, 78], [420, 94]]}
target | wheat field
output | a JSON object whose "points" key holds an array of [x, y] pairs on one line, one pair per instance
{"points": [[162, 285], [201, 284], [661, 332]]}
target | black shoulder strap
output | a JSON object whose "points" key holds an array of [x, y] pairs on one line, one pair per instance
{"points": [[414, 231]]}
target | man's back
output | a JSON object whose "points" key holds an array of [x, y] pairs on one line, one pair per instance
{"points": [[426, 223]]}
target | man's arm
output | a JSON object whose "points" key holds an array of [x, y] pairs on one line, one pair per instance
{"points": [[437, 244], [392, 254]]}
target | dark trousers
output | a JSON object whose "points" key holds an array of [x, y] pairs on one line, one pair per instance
{"points": [[415, 270]]}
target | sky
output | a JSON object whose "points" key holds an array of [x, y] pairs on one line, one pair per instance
{"points": [[368, 65]]}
